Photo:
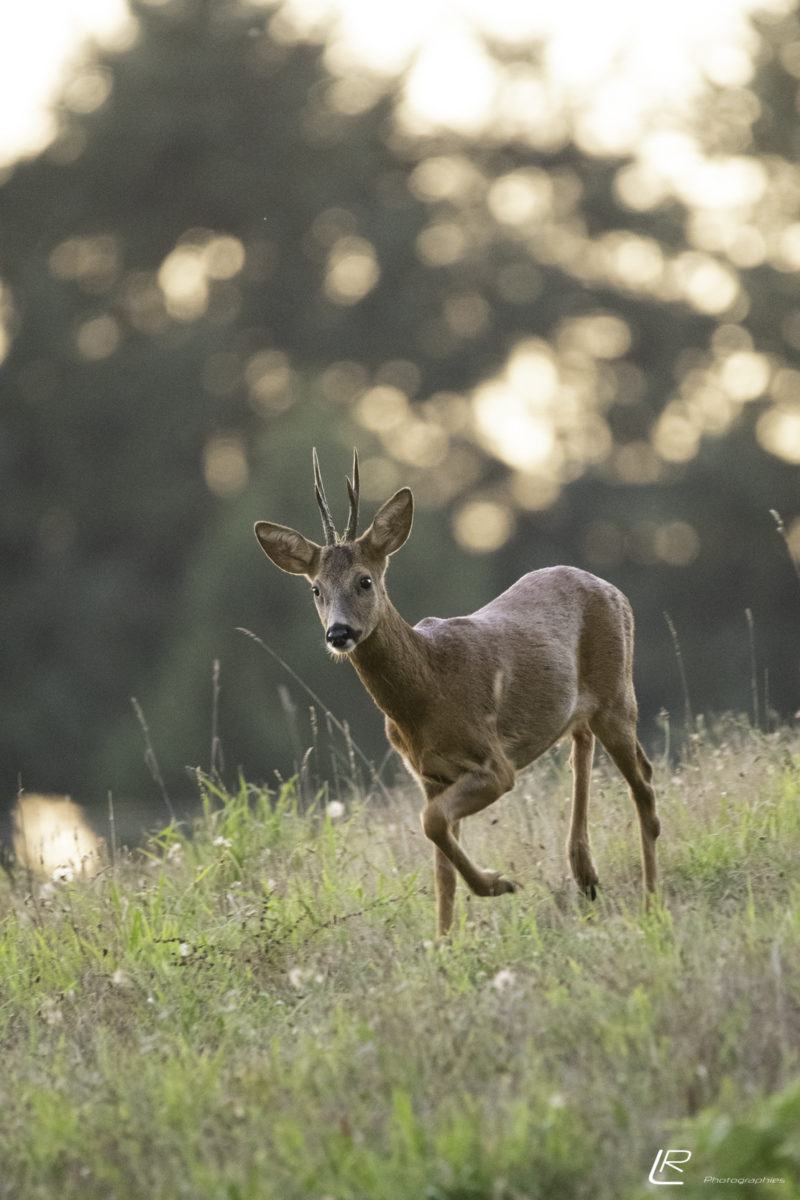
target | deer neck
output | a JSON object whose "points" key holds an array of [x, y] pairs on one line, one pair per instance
{"points": [[394, 666]]}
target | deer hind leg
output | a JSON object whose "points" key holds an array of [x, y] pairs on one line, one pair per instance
{"points": [[618, 735], [440, 819], [580, 856]]}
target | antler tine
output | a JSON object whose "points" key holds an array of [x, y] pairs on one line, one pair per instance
{"points": [[319, 491], [352, 491]]}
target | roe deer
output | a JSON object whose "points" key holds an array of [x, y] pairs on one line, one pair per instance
{"points": [[469, 701]]}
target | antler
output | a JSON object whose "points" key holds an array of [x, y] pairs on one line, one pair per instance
{"points": [[319, 491], [331, 536], [352, 491]]}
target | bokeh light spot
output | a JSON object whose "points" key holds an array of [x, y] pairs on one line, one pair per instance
{"points": [[707, 285], [793, 533], [184, 283], [88, 90], [512, 426], [452, 84], [382, 408], [676, 435], [521, 197], [225, 464], [352, 270], [223, 257], [93, 261], [466, 314], [441, 244], [445, 177], [185, 274], [7, 317], [98, 338], [418, 443], [51, 834], [269, 377], [745, 375], [778, 431], [677, 543], [343, 382], [599, 335], [636, 463], [483, 525]]}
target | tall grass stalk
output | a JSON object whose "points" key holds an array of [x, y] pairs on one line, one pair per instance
{"points": [[353, 749], [751, 638], [688, 716], [150, 757], [216, 760], [782, 532]]}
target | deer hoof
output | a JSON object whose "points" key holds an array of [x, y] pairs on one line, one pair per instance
{"points": [[501, 886], [590, 890]]}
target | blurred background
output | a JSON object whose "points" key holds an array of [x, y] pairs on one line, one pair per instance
{"points": [[539, 262]]}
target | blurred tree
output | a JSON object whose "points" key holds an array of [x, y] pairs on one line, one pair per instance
{"points": [[227, 255]]}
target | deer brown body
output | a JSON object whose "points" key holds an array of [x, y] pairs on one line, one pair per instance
{"points": [[471, 700]]}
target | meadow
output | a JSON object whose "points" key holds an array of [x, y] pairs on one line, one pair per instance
{"points": [[252, 1008]]}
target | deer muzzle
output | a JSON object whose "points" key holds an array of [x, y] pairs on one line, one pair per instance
{"points": [[342, 638]]}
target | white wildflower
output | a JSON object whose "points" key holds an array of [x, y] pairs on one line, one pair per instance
{"points": [[335, 810], [298, 977], [504, 979], [222, 841], [185, 949], [51, 1013]]}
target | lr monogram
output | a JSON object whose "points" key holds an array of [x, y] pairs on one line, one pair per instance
{"points": [[668, 1159]]}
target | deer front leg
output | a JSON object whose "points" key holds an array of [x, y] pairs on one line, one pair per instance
{"points": [[469, 794], [445, 877]]}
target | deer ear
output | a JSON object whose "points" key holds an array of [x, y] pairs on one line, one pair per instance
{"points": [[287, 548], [391, 526]]}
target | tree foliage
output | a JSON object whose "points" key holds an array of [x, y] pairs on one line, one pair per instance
{"points": [[227, 255]]}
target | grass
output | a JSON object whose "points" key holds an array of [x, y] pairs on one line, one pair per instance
{"points": [[251, 1009]]}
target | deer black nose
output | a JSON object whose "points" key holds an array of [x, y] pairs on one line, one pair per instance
{"points": [[339, 635]]}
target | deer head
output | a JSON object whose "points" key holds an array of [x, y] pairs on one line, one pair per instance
{"points": [[347, 573]]}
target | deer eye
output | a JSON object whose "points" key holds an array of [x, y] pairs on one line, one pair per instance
{"points": [[315, 589], [365, 583]]}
